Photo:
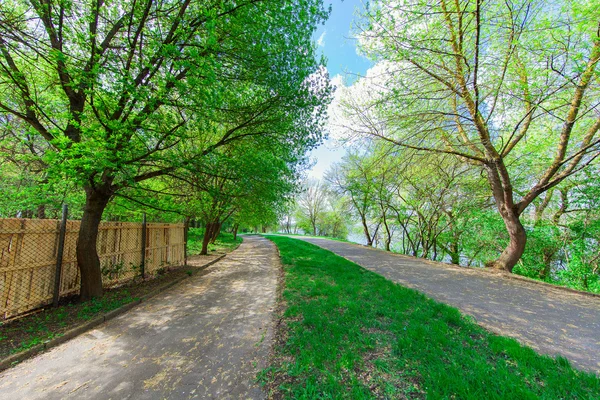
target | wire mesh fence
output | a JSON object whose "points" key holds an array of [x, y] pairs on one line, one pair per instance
{"points": [[38, 260]]}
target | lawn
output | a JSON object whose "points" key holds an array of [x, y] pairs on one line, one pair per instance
{"points": [[346, 332]]}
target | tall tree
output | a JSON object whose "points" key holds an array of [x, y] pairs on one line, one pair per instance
{"points": [[355, 178], [501, 85], [312, 203], [117, 88]]}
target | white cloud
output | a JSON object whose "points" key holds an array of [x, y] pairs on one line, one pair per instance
{"points": [[321, 40]]}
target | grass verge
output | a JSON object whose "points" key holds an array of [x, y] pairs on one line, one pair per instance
{"points": [[346, 332]]}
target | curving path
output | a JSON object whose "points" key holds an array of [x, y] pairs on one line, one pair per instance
{"points": [[552, 321], [204, 338]]}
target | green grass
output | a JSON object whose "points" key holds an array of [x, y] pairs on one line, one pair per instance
{"points": [[224, 242], [349, 333], [312, 236]]}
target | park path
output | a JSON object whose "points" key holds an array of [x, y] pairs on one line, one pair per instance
{"points": [[204, 338], [552, 321]]}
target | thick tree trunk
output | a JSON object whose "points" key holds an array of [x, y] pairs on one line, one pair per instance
{"points": [[454, 253], [87, 253], [516, 245]]}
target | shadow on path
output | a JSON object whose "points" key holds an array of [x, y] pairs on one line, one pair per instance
{"points": [[552, 321], [204, 338]]}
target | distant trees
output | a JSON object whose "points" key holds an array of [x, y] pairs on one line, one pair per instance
{"points": [[318, 211], [355, 179], [311, 204], [115, 94], [433, 206], [508, 88]]}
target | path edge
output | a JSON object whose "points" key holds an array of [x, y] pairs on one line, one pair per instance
{"points": [[16, 358], [467, 268]]}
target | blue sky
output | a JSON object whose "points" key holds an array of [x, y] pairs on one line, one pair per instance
{"points": [[335, 42]]}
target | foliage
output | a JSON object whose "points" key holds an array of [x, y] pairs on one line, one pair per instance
{"points": [[106, 96], [317, 210], [507, 89]]}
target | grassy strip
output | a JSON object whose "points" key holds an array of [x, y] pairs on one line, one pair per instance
{"points": [[349, 333]]}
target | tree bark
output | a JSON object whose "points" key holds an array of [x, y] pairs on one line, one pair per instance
{"points": [[454, 253], [41, 212], [516, 245], [215, 232], [206, 239], [87, 253], [366, 230], [388, 234]]}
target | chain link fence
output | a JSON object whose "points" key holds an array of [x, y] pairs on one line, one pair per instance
{"points": [[38, 261]]}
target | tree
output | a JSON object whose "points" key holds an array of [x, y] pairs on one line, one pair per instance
{"points": [[117, 89], [246, 182], [355, 178], [312, 203], [499, 85]]}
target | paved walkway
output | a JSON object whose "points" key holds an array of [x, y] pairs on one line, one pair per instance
{"points": [[204, 338], [553, 321]]}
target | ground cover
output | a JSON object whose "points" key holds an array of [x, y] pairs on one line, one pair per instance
{"points": [[345, 332]]}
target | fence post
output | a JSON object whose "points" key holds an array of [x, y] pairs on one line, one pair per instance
{"points": [[186, 227], [59, 255], [143, 262]]}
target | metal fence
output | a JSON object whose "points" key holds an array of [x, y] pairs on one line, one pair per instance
{"points": [[38, 263]]}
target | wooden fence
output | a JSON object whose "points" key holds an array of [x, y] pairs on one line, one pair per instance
{"points": [[29, 249]]}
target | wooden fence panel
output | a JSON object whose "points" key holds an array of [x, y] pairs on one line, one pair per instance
{"points": [[29, 247]]}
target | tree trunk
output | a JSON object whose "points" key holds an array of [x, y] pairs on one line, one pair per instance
{"points": [[87, 253], [206, 238], [235, 230], [516, 245], [454, 253], [216, 229], [547, 258], [366, 231], [388, 234], [41, 212]]}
